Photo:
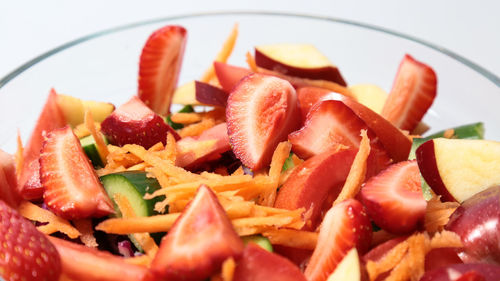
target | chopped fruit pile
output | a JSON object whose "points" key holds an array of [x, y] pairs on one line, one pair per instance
{"points": [[275, 171]]}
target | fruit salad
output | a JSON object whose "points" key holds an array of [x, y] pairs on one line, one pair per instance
{"points": [[277, 170]]}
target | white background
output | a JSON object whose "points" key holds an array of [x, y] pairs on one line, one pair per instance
{"points": [[469, 28]]}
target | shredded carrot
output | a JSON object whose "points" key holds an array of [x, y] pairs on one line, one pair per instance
{"points": [[81, 131], [197, 128], [446, 239], [102, 149], [299, 239], [251, 62], [223, 54], [171, 148], [85, 228], [438, 214], [128, 225], [449, 133], [357, 172], [280, 155], [144, 239], [19, 157], [143, 260], [228, 268], [388, 261], [35, 213], [186, 118], [380, 237]]}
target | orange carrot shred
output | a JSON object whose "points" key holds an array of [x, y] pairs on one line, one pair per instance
{"points": [[144, 239], [19, 157], [223, 55], [449, 133], [437, 214], [388, 261], [299, 239], [85, 228], [35, 213], [357, 173], [186, 118], [197, 128], [280, 155], [251, 62], [102, 149], [143, 260], [228, 268]]}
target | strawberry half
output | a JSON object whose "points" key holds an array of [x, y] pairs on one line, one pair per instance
{"points": [[309, 96], [330, 123], [412, 94], [261, 111], [72, 188], [229, 75], [344, 227], [258, 264], [26, 253], [81, 263], [159, 67], [49, 119], [134, 123], [8, 180], [394, 199], [201, 239]]}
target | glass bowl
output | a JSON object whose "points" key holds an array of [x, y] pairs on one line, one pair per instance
{"points": [[104, 66]]}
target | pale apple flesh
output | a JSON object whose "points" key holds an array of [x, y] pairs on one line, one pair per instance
{"points": [[74, 109], [457, 169], [301, 60], [185, 94], [349, 268], [369, 95]]}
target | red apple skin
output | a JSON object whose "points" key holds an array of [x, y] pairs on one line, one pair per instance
{"points": [[229, 75], [490, 272], [329, 73], [477, 222], [427, 164], [210, 95], [316, 183], [440, 257]]}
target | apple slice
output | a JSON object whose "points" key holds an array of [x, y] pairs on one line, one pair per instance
{"points": [[477, 222], [349, 268], [369, 95], [185, 94], [474, 272], [300, 60], [210, 95], [459, 168], [73, 109]]}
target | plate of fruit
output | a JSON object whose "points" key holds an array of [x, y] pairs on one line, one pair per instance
{"points": [[249, 146]]}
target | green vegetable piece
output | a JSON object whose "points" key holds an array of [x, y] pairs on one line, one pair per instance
{"points": [[134, 186], [90, 148], [469, 131], [176, 126], [260, 240], [288, 163]]}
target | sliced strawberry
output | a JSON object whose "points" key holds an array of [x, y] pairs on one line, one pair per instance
{"points": [[258, 264], [72, 188], [80, 263], [316, 183], [344, 227], [206, 147], [8, 180], [228, 75], [134, 123], [159, 67], [309, 96], [26, 253], [50, 118], [412, 94], [261, 111], [210, 95], [394, 199], [199, 242], [330, 123]]}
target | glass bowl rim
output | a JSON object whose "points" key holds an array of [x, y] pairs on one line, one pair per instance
{"points": [[468, 63]]}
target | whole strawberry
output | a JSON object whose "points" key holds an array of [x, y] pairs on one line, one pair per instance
{"points": [[25, 253]]}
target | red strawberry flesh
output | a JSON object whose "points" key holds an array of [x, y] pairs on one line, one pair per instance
{"points": [[9, 192], [201, 239], [262, 110], [72, 188], [345, 226], [229, 76], [412, 94], [26, 253], [159, 67], [134, 123], [394, 199]]}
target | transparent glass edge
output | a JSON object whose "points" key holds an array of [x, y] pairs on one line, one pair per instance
{"points": [[474, 66]]}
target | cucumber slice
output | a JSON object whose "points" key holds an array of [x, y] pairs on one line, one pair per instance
{"points": [[288, 163], [90, 148], [260, 240], [134, 185]]}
